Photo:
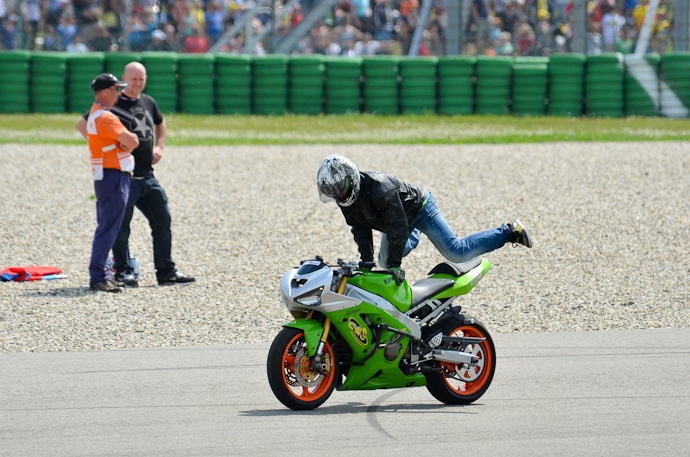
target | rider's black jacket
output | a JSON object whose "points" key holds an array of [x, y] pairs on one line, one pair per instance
{"points": [[387, 204]]}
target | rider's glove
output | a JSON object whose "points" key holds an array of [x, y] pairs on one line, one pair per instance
{"points": [[398, 274]]}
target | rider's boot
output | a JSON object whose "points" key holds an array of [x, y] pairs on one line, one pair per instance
{"points": [[518, 234]]}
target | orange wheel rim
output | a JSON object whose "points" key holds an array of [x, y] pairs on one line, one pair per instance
{"points": [[302, 382], [468, 381]]}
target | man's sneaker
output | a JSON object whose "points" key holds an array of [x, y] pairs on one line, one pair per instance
{"points": [[105, 286], [177, 278], [518, 234], [126, 278]]}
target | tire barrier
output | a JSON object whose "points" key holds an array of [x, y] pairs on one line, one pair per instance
{"points": [[81, 69], [343, 85], [15, 96], [418, 91], [675, 84], [306, 93], [604, 85], [530, 82], [456, 85], [571, 85], [641, 83], [493, 76], [162, 81], [48, 82], [196, 84], [381, 90], [233, 84], [270, 85], [566, 85]]}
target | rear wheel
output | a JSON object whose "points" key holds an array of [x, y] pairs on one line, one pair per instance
{"points": [[459, 384], [293, 380]]}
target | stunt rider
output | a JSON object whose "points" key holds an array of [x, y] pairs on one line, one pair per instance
{"points": [[376, 200]]}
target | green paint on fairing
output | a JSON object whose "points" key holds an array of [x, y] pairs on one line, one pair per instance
{"points": [[356, 326], [312, 332], [465, 283], [383, 285]]}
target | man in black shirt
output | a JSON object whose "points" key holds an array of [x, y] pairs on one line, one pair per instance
{"points": [[140, 114]]}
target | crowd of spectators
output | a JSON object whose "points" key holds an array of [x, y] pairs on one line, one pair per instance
{"points": [[615, 26], [352, 27], [541, 27]]}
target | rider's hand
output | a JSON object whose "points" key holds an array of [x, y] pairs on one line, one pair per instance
{"points": [[398, 274]]}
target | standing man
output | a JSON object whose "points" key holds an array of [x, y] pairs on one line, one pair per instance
{"points": [[110, 147], [140, 114]]}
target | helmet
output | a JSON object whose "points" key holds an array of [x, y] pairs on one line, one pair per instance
{"points": [[338, 179]]}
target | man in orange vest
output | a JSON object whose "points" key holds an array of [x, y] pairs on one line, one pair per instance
{"points": [[139, 112], [110, 146]]}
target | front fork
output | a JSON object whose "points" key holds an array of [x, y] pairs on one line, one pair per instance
{"points": [[317, 362]]}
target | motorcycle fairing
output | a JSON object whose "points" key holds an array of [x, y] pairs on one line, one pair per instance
{"points": [[383, 284], [465, 283], [401, 320], [370, 368], [313, 330]]}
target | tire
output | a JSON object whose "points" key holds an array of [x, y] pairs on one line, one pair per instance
{"points": [[456, 385], [292, 382]]}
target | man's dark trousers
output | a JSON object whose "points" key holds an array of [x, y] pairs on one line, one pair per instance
{"points": [[112, 194], [150, 198]]}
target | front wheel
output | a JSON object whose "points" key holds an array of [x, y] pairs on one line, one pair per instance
{"points": [[459, 384], [293, 380]]}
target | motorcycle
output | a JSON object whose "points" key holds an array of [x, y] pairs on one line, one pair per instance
{"points": [[354, 328]]}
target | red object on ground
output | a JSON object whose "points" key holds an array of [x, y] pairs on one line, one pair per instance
{"points": [[21, 274]]}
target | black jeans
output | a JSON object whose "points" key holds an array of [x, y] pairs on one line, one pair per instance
{"points": [[148, 195]]}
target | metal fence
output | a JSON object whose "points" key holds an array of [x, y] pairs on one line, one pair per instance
{"points": [[344, 27]]}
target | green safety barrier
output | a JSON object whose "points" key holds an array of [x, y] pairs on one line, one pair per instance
{"points": [[456, 85], [15, 96], [270, 85], [233, 84], [566, 92], [343, 85], [48, 82], [162, 80], [606, 85], [306, 84]]}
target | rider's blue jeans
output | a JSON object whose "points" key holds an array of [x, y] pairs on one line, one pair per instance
{"points": [[431, 222]]}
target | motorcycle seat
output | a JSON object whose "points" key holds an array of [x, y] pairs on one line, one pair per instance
{"points": [[455, 269], [425, 288]]}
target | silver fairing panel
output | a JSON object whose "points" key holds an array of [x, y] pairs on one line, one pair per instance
{"points": [[293, 286], [380, 302]]}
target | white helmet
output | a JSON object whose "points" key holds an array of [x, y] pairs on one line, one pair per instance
{"points": [[338, 180]]}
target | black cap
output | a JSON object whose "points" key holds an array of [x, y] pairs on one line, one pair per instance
{"points": [[104, 81]]}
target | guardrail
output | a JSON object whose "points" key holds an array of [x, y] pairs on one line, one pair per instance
{"points": [[607, 85]]}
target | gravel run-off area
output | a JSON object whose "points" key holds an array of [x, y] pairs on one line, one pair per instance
{"points": [[610, 223]]}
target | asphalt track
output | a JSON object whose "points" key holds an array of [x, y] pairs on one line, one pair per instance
{"points": [[603, 393]]}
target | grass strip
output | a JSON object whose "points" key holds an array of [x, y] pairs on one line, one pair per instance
{"points": [[220, 130]]}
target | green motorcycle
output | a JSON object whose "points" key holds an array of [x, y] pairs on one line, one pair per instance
{"points": [[354, 328]]}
